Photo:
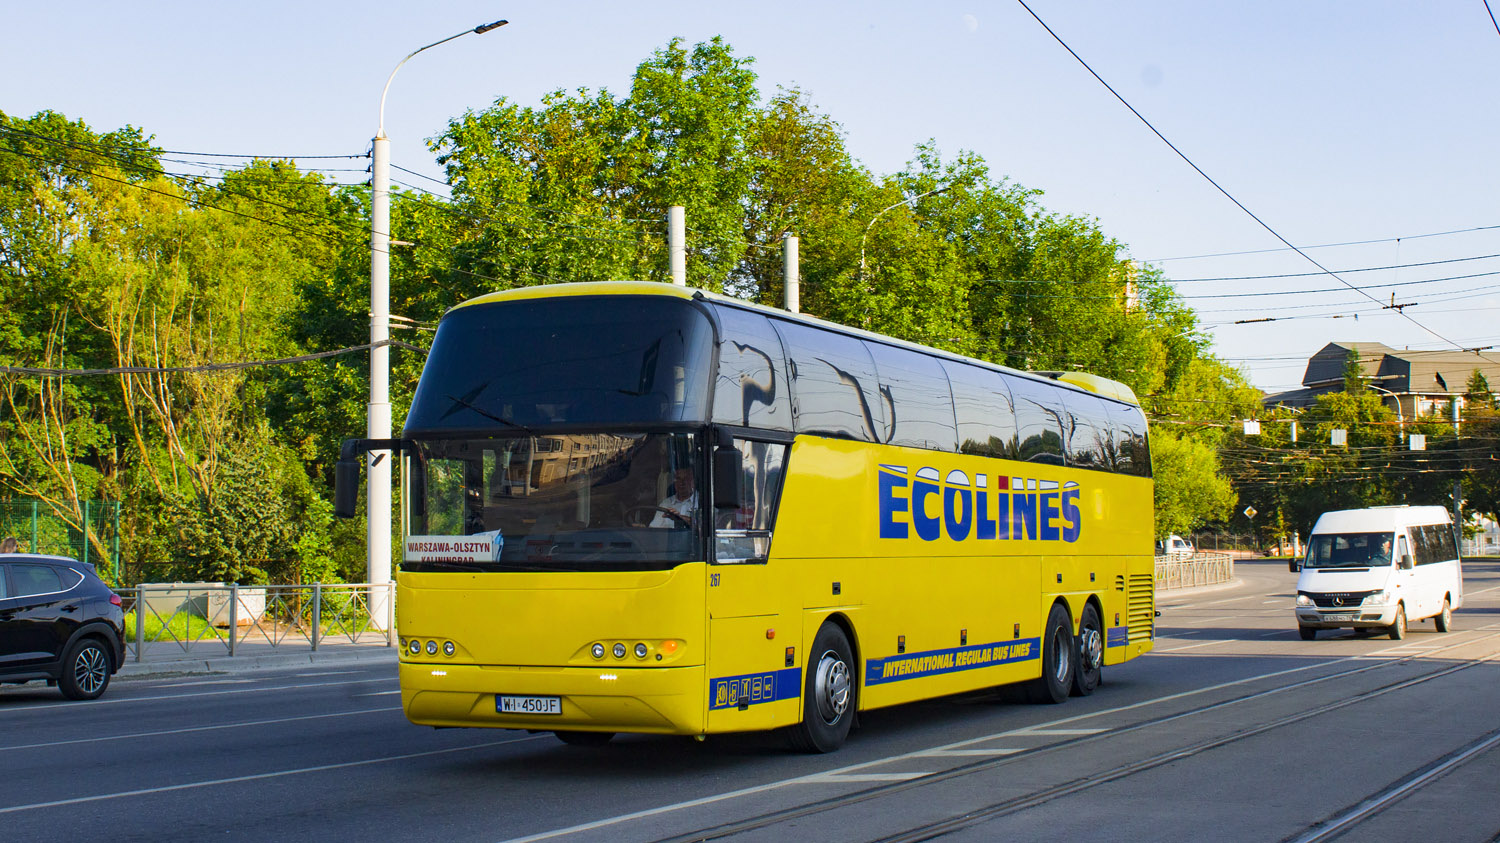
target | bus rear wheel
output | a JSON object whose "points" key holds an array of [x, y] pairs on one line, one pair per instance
{"points": [[1090, 669], [1056, 681], [1444, 619], [584, 738], [829, 694]]}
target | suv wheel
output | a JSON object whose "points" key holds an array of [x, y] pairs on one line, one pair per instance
{"points": [[85, 671]]}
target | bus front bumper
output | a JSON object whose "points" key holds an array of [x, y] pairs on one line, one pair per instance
{"points": [[668, 700], [1339, 618]]}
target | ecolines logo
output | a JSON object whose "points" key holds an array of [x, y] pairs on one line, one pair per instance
{"points": [[1010, 508]]}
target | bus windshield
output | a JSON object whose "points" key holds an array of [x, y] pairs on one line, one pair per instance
{"points": [[560, 502], [1349, 550], [608, 360]]}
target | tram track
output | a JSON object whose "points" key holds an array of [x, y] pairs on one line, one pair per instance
{"points": [[1020, 803]]}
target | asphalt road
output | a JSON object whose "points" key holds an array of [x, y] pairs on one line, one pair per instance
{"points": [[1234, 729]]}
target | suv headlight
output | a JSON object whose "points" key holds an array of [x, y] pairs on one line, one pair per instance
{"points": [[1379, 598], [1304, 600]]}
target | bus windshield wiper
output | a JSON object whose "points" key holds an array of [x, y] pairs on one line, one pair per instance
{"points": [[489, 415]]}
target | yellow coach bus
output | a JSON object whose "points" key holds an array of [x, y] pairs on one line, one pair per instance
{"points": [[635, 507]]}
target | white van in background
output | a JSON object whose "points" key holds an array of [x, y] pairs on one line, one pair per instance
{"points": [[1379, 568]]}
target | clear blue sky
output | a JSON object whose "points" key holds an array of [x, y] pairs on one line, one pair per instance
{"points": [[1331, 121]]}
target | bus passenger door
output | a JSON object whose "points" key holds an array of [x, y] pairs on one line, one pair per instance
{"points": [[753, 683]]}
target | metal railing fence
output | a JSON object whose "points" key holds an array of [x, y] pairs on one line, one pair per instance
{"points": [[196, 619], [1195, 570]]}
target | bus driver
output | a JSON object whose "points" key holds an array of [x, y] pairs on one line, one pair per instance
{"points": [[676, 509]]}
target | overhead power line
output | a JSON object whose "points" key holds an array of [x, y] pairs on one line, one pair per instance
{"points": [[1326, 245], [1209, 179], [206, 367]]}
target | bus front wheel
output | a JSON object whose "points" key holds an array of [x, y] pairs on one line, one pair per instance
{"points": [[829, 695], [1057, 660]]}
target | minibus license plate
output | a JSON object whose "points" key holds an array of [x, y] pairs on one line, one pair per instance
{"points": [[1341, 617], [527, 705]]}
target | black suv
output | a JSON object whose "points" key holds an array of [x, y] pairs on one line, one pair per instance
{"points": [[58, 622]]}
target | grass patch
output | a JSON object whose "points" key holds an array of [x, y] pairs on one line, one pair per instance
{"points": [[179, 627]]}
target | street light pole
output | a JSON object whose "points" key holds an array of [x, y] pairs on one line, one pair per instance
{"points": [[378, 411], [867, 234]]}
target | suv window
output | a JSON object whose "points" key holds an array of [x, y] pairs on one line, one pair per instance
{"points": [[26, 580]]}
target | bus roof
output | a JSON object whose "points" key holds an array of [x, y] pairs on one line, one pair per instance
{"points": [[1103, 387]]}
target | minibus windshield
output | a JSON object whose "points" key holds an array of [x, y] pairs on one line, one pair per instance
{"points": [[1349, 550]]}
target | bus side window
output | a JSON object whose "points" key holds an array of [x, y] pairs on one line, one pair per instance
{"points": [[1039, 426], [750, 389], [986, 416], [743, 534], [1087, 427], [1131, 456], [834, 388], [918, 406]]}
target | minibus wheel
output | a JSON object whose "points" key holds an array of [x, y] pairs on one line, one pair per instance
{"points": [[1398, 629], [1308, 633], [1090, 669], [1056, 681], [829, 693], [1444, 619]]}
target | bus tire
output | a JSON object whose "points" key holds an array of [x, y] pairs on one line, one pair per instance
{"points": [[1398, 629], [584, 738], [1056, 681], [829, 693], [1444, 620], [1090, 670], [1308, 633]]}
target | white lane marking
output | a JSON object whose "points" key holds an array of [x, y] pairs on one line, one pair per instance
{"points": [[161, 697], [968, 753], [1269, 602], [380, 693], [207, 682], [1028, 732], [321, 768], [1273, 632], [777, 785], [190, 729], [1188, 647], [864, 777]]}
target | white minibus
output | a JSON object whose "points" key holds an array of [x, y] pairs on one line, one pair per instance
{"points": [[1379, 568]]}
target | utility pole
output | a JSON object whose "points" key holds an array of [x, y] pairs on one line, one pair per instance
{"points": [[378, 411], [676, 231], [791, 280]]}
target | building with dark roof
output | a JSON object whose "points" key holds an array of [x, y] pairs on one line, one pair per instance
{"points": [[1411, 383]]}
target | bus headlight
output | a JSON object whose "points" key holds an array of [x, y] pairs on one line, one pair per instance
{"points": [[415, 647], [640, 651], [448, 648], [1304, 600], [597, 650], [431, 648], [619, 651], [1379, 598]]}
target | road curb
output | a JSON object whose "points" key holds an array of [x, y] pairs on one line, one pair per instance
{"points": [[239, 664]]}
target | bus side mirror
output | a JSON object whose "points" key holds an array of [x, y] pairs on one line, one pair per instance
{"points": [[728, 476], [1294, 565], [1406, 561], [345, 487]]}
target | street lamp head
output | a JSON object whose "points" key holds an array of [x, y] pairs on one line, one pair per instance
{"points": [[486, 27]]}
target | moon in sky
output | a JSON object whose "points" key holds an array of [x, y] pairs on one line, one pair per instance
{"points": [[971, 23]]}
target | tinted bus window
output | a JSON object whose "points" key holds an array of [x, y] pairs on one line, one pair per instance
{"points": [[834, 388], [982, 405], [750, 389], [1087, 426], [1039, 426], [914, 390], [607, 360], [1131, 454]]}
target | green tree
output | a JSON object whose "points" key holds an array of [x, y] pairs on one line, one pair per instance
{"points": [[1190, 491]]}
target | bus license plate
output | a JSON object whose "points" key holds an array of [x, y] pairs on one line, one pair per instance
{"points": [[527, 705], [1338, 617]]}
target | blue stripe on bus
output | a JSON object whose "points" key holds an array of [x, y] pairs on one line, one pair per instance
{"points": [[754, 688], [1117, 637], [934, 662]]}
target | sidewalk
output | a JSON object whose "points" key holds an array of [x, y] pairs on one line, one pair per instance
{"points": [[253, 657]]}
